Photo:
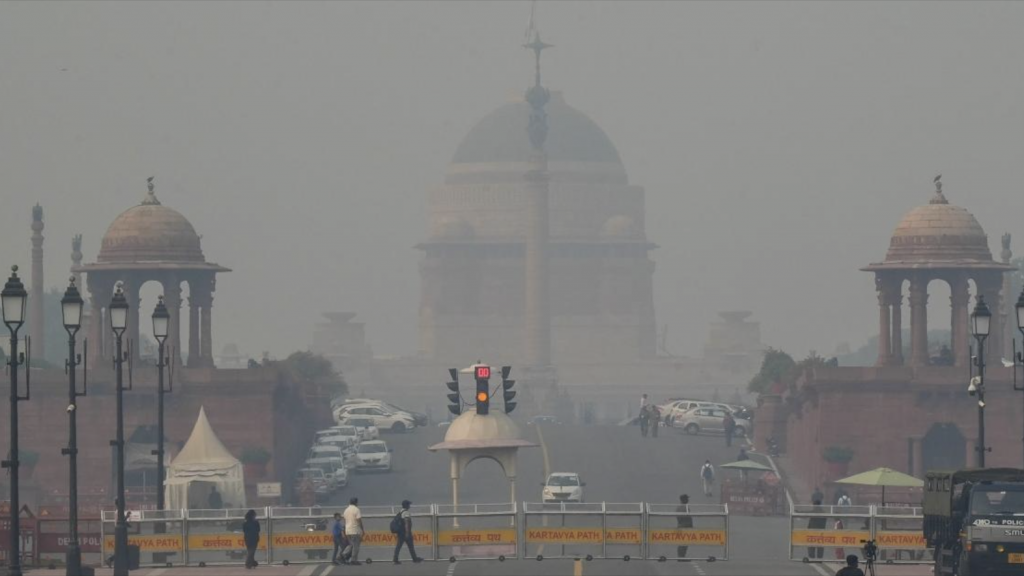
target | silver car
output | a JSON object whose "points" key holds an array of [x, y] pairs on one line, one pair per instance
{"points": [[708, 421]]}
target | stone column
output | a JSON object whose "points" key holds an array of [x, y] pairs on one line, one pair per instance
{"points": [[98, 298], [994, 299], [960, 339], [172, 300], [537, 320], [131, 294], [206, 337], [917, 457], [884, 324], [193, 325], [35, 320], [897, 324], [919, 320]]}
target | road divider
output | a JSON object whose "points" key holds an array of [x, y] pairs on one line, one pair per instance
{"points": [[820, 533]]}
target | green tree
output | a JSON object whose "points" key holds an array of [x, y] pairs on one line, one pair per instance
{"points": [[777, 367], [308, 368]]}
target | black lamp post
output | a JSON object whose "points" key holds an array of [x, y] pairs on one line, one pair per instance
{"points": [[1019, 356], [13, 299], [118, 310], [161, 319], [981, 320], [71, 309]]}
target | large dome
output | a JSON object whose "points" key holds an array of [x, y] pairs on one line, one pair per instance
{"points": [[938, 231], [150, 232], [501, 136]]}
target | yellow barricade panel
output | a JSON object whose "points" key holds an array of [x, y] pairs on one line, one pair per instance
{"points": [[224, 541], [382, 538], [622, 536], [472, 537], [147, 543], [829, 537], [689, 536], [303, 540], [564, 535], [902, 540]]}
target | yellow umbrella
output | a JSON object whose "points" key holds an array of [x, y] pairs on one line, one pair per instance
{"points": [[883, 477]]}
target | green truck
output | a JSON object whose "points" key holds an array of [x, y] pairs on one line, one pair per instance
{"points": [[974, 520]]}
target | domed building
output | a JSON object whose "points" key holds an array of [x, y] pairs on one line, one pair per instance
{"points": [[473, 271], [153, 242], [937, 241]]}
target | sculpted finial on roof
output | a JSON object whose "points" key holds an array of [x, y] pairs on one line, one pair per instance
{"points": [[939, 197], [151, 196]]}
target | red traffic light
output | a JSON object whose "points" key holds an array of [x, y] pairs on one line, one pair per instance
{"points": [[483, 372]]}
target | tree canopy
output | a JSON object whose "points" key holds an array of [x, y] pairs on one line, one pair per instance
{"points": [[309, 368]]}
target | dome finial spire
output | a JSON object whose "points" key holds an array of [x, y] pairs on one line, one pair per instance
{"points": [[939, 198], [151, 195], [537, 96]]}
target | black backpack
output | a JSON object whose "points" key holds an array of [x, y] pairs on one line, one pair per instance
{"points": [[397, 524]]}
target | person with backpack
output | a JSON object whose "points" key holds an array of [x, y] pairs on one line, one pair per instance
{"points": [[707, 476], [401, 527]]}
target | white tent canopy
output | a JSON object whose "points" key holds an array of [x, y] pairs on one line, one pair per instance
{"points": [[204, 463]]}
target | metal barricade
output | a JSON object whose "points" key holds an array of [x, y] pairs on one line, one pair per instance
{"points": [[687, 531], [378, 543], [898, 534], [577, 530], [476, 531], [159, 534], [827, 533], [54, 540], [300, 535], [215, 537]]}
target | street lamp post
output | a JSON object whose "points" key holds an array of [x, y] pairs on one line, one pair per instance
{"points": [[71, 310], [13, 299], [1019, 356], [161, 319], [981, 320], [118, 323]]}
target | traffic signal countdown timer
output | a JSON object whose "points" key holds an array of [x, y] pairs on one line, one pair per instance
{"points": [[483, 389]]}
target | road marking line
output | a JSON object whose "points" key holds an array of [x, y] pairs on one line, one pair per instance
{"points": [[451, 568], [577, 567], [308, 570], [818, 568], [699, 569]]}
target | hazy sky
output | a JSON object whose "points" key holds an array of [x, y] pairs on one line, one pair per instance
{"points": [[779, 143]]}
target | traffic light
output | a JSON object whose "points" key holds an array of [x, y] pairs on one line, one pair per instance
{"points": [[483, 390], [456, 402], [507, 391]]}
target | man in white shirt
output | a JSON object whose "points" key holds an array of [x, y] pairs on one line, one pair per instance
{"points": [[354, 530]]}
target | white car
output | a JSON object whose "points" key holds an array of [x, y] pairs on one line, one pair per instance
{"points": [[563, 487], [334, 471], [382, 418], [675, 409], [365, 427], [373, 455], [708, 420], [348, 432], [317, 479], [419, 418], [325, 451]]}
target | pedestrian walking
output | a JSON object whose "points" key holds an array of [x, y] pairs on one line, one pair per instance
{"points": [[643, 401], [707, 476], [817, 495], [251, 535], [844, 500], [340, 540], [729, 423], [653, 419], [683, 520], [215, 501], [742, 455], [353, 530], [401, 527], [816, 523], [644, 421]]}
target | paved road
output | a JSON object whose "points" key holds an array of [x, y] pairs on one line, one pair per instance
{"points": [[618, 466]]}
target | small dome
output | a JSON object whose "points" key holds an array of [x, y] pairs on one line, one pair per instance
{"points": [[938, 231], [472, 426], [150, 232], [619, 227], [501, 136]]}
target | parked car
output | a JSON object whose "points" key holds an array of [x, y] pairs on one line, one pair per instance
{"points": [[374, 455], [325, 451], [419, 418], [334, 470], [348, 432], [674, 409], [365, 427], [708, 420], [316, 477], [563, 487], [382, 418]]}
